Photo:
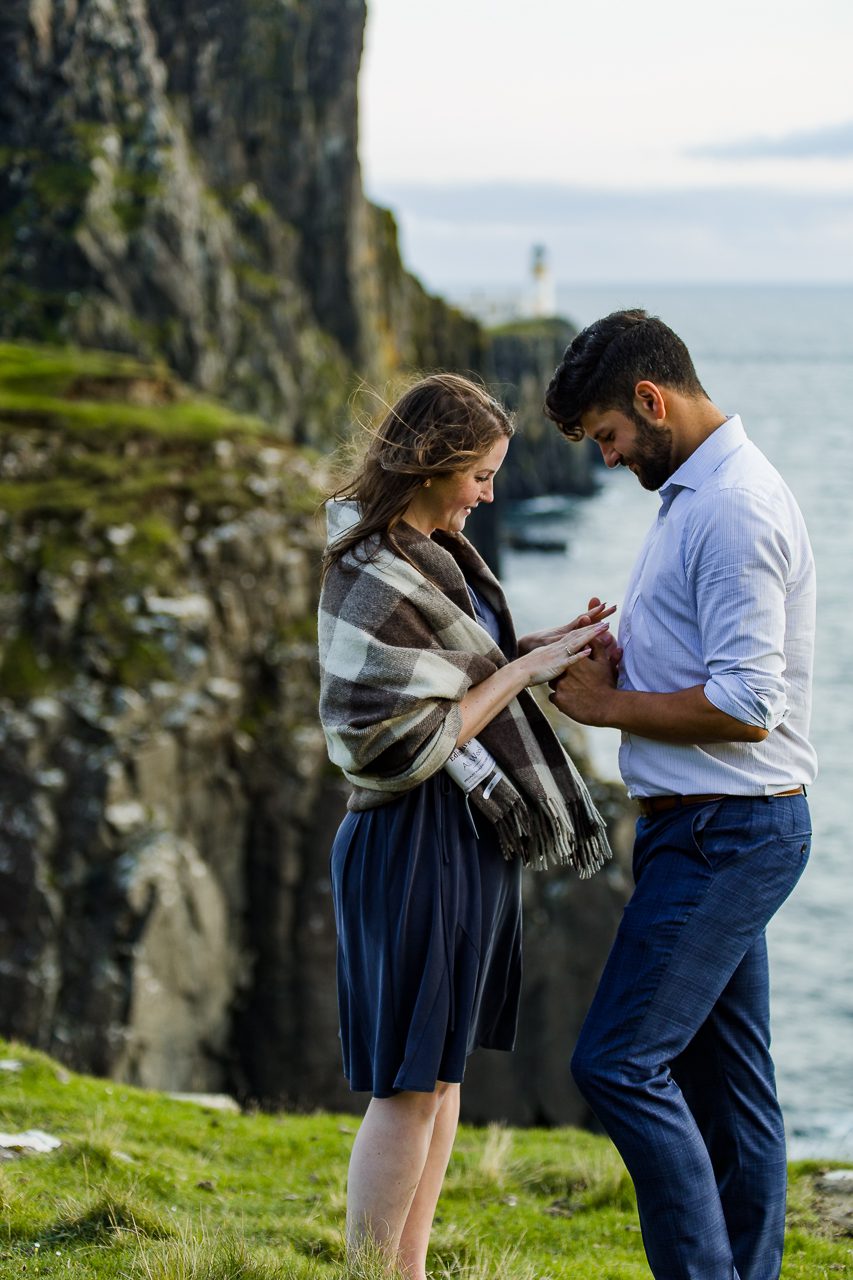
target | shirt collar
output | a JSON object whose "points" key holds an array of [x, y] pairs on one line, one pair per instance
{"points": [[705, 460]]}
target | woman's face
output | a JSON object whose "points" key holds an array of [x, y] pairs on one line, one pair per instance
{"points": [[447, 501]]}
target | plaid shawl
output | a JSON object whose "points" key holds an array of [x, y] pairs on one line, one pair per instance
{"points": [[399, 648]]}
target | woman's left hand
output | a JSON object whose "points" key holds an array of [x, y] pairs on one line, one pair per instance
{"points": [[596, 611]]}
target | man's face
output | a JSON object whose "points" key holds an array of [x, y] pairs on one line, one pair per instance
{"points": [[628, 440]]}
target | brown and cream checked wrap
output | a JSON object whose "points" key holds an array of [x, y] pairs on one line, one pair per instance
{"points": [[399, 648]]}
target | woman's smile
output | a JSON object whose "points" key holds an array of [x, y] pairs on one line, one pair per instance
{"points": [[445, 502]]}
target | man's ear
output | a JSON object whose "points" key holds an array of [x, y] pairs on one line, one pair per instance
{"points": [[650, 400]]}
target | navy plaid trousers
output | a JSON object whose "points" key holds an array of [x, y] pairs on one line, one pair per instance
{"points": [[674, 1055]]}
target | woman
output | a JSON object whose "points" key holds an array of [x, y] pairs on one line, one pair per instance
{"points": [[457, 778]]}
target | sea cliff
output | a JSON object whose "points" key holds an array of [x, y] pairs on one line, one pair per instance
{"points": [[167, 807], [181, 180], [180, 185]]}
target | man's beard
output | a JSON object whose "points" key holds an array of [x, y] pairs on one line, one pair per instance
{"points": [[651, 454]]}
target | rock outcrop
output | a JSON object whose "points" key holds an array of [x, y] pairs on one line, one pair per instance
{"points": [[159, 746], [180, 179], [521, 357]]}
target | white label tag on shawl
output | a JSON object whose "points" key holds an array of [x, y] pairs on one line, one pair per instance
{"points": [[470, 765]]}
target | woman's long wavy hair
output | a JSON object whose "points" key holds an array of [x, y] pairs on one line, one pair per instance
{"points": [[441, 425]]}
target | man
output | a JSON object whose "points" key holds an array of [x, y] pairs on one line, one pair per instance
{"points": [[712, 695]]}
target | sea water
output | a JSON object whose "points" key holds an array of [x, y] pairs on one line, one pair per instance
{"points": [[781, 357]]}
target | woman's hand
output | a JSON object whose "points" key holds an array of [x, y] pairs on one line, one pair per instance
{"points": [[548, 661], [597, 611], [544, 662]]}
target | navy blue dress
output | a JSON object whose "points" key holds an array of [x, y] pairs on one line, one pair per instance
{"points": [[429, 935]]}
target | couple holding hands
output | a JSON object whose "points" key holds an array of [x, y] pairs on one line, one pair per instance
{"points": [[458, 781]]}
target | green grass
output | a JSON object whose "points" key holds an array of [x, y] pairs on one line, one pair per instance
{"points": [[57, 370], [191, 420], [532, 327], [116, 437], [147, 1187], [106, 461], [83, 394]]}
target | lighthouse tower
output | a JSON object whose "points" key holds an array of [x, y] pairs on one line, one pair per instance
{"points": [[543, 295]]}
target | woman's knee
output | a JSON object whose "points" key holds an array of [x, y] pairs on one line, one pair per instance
{"points": [[426, 1104]]}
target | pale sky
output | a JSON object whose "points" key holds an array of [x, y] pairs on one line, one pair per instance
{"points": [[620, 99]]}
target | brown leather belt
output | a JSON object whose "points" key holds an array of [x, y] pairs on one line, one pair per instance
{"points": [[650, 805]]}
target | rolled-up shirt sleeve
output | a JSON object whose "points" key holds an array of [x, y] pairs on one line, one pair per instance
{"points": [[737, 559]]}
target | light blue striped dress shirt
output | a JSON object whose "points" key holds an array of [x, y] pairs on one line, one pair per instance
{"points": [[723, 595]]}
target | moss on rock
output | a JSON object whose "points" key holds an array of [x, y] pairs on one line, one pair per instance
{"points": [[111, 476]]}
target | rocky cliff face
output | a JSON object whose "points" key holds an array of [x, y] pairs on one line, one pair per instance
{"points": [[179, 182], [166, 808], [161, 758], [520, 361], [181, 179]]}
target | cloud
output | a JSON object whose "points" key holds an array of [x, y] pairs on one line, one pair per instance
{"points": [[482, 234], [831, 142], [507, 204]]}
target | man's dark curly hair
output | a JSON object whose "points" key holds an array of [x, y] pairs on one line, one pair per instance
{"points": [[603, 365]]}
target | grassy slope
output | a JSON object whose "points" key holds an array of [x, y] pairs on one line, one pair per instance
{"points": [[130, 436], [92, 441], [147, 1187]]}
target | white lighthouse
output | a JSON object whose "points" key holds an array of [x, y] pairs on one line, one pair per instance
{"points": [[543, 294]]}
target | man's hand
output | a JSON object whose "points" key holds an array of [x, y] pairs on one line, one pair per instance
{"points": [[587, 692], [583, 690]]}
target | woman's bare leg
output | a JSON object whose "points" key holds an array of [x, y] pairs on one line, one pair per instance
{"points": [[389, 1158], [414, 1241]]}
